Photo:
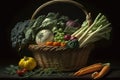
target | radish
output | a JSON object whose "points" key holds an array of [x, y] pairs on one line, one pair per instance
{"points": [[67, 37]]}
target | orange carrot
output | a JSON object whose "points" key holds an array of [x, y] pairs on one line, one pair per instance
{"points": [[56, 43], [89, 69], [49, 43], [63, 44], [94, 74], [104, 71]]}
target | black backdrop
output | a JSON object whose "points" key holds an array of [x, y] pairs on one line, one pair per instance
{"points": [[13, 11]]}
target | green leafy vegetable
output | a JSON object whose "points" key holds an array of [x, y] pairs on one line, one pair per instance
{"points": [[25, 32], [18, 33], [31, 32], [11, 69], [54, 20]]}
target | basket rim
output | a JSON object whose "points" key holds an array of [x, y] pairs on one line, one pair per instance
{"points": [[36, 47], [42, 47]]}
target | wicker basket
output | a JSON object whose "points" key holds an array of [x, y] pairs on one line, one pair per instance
{"points": [[59, 57]]}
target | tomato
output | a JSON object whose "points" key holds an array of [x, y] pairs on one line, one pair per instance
{"points": [[19, 72]]}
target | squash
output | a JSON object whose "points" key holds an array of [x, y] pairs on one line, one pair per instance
{"points": [[28, 63]]}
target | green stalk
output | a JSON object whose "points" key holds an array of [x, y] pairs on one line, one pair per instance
{"points": [[103, 22], [85, 33], [82, 27], [91, 40], [76, 32], [97, 18], [104, 26], [102, 18], [92, 34], [90, 27], [100, 34], [81, 31]]}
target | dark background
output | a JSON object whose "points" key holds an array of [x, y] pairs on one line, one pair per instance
{"points": [[13, 11]]}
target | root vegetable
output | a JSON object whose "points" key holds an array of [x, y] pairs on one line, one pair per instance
{"points": [[49, 43], [94, 74], [56, 43], [103, 72], [89, 69], [63, 44]]}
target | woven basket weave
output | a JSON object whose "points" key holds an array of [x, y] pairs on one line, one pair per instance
{"points": [[60, 57]]}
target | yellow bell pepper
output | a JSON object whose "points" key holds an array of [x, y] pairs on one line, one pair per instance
{"points": [[28, 63]]}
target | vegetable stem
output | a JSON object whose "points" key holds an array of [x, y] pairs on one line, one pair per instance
{"points": [[89, 36], [96, 31]]}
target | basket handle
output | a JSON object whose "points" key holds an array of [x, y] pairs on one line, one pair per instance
{"points": [[63, 1]]}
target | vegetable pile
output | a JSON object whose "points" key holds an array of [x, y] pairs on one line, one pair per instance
{"points": [[55, 30]]}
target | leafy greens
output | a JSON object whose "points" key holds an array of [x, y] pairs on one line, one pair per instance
{"points": [[25, 32]]}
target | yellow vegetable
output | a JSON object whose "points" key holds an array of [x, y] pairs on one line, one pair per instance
{"points": [[27, 62]]}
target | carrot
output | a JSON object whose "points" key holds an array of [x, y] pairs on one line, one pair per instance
{"points": [[104, 71], [89, 69], [94, 74], [49, 43], [56, 43], [63, 44]]}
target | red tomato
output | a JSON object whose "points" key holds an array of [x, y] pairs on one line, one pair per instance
{"points": [[19, 72]]}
